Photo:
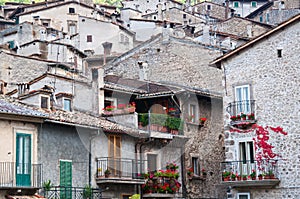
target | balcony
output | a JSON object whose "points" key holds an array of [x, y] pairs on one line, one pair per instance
{"points": [[242, 113], [72, 192], [161, 125], [249, 173], [121, 170], [17, 176]]}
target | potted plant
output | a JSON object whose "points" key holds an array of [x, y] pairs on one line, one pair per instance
{"points": [[251, 116], [260, 176], [253, 175], [233, 118], [238, 177], [47, 187], [202, 120], [107, 173], [270, 175], [244, 177], [190, 173], [243, 116], [87, 192], [226, 175], [233, 176]]}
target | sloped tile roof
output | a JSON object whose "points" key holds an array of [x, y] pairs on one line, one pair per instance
{"points": [[10, 106]]}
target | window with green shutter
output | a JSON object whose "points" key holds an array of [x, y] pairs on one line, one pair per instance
{"points": [[236, 4]]}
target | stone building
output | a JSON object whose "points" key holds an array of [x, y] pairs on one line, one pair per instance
{"points": [[245, 7], [167, 58], [259, 79], [275, 12]]}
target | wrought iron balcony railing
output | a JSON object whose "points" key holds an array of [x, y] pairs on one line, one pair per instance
{"points": [[249, 170], [60, 192], [20, 175], [120, 168], [237, 107]]}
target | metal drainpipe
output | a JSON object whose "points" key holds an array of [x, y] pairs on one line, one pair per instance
{"points": [[182, 172], [90, 158]]}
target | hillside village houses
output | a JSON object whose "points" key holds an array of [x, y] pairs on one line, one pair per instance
{"points": [[98, 104]]}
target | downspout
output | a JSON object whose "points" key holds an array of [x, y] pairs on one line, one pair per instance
{"points": [[184, 194], [90, 158]]}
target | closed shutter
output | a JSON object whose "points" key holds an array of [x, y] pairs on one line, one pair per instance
{"points": [[66, 179]]}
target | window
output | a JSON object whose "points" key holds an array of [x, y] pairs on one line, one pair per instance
{"points": [[246, 151], [72, 28], [152, 162], [45, 102], [195, 165], [242, 99], [246, 158], [243, 196], [253, 4], [279, 53], [208, 7], [89, 38], [261, 19], [192, 113], [236, 4], [71, 10], [67, 105], [184, 16], [267, 17]]}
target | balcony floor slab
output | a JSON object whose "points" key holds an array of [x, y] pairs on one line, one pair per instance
{"points": [[269, 183]]}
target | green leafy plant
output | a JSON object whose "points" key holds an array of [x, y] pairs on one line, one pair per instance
{"points": [[226, 174], [87, 192], [47, 185]]}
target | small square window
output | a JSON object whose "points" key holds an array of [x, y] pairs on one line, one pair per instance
{"points": [[208, 7], [45, 102], [89, 38], [71, 10], [236, 4], [279, 53], [184, 16], [253, 4], [67, 105]]}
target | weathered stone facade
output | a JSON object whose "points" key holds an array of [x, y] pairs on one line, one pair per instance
{"points": [[172, 60], [185, 63], [274, 87], [242, 27]]}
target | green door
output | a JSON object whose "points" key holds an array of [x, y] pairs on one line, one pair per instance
{"points": [[65, 179], [23, 159]]}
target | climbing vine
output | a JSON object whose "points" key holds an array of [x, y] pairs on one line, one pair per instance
{"points": [[264, 150]]}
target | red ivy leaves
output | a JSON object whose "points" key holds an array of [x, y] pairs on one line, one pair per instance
{"points": [[264, 150]]}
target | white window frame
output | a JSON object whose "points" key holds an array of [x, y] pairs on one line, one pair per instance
{"points": [[48, 101], [243, 194], [195, 113], [113, 100], [244, 97], [246, 168]]}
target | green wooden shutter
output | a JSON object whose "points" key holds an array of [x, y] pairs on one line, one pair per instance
{"points": [[66, 179]]}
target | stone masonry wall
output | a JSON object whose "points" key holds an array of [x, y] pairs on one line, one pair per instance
{"points": [[275, 87], [178, 61]]}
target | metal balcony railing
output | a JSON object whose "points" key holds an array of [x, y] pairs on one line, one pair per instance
{"points": [[120, 167], [60, 192], [237, 107], [20, 175], [245, 168]]}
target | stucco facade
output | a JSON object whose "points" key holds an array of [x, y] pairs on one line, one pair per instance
{"points": [[100, 32]]}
